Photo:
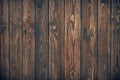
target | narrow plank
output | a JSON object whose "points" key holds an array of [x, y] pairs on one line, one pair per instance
{"points": [[118, 40], [103, 39], [1, 35], [41, 32], [28, 40], [4, 40], [72, 39], [15, 39], [56, 39], [89, 40], [1, 10], [115, 40]]}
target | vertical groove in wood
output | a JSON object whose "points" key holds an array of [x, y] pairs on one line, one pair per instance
{"points": [[89, 37], [28, 40], [72, 39], [56, 39], [1, 10], [41, 33], [4, 32], [15, 40], [104, 39]]}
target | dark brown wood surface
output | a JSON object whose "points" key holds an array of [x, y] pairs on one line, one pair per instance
{"points": [[59, 39]]}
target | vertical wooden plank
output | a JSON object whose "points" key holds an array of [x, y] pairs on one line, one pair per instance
{"points": [[56, 39], [28, 40], [114, 38], [104, 39], [15, 39], [72, 39], [89, 40], [4, 31], [42, 53], [118, 35], [115, 42]]}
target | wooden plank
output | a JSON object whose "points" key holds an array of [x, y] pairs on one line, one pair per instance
{"points": [[72, 39], [103, 39], [115, 39], [15, 39], [118, 32], [41, 33], [89, 40], [4, 30], [118, 41], [28, 40], [56, 39]]}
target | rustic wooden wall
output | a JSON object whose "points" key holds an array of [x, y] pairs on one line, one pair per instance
{"points": [[59, 39]]}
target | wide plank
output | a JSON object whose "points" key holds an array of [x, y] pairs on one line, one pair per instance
{"points": [[104, 49], [15, 39], [56, 39], [28, 40], [89, 40], [72, 39]]}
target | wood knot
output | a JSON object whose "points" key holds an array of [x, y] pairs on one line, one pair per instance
{"points": [[54, 27], [103, 4], [72, 18]]}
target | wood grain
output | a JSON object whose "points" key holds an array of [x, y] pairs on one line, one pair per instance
{"points": [[89, 40], [59, 39], [41, 33], [72, 39], [56, 39], [28, 40], [15, 39], [104, 40]]}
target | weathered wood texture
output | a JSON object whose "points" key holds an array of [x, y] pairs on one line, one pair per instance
{"points": [[59, 39]]}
